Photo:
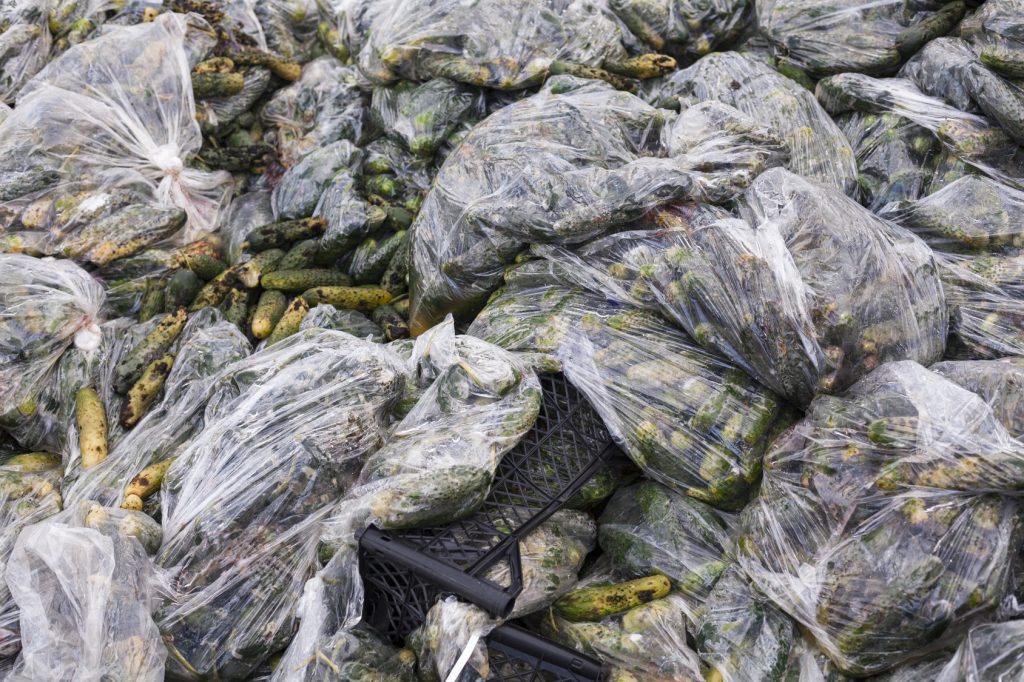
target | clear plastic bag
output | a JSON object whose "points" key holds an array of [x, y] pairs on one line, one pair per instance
{"points": [[289, 26], [351, 322], [971, 138], [29, 493], [504, 44], [706, 441], [999, 382], [996, 29], [298, 192], [322, 107], [24, 44], [449, 628], [95, 154], [348, 24], [870, 36], [574, 161], [87, 589], [740, 635], [45, 307], [817, 147], [684, 28], [986, 305], [285, 433], [873, 529], [971, 214], [422, 116], [248, 212], [992, 651]]}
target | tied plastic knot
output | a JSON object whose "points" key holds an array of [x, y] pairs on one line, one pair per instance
{"points": [[88, 338], [167, 160]]}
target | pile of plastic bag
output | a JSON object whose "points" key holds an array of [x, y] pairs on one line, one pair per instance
{"points": [[277, 272]]}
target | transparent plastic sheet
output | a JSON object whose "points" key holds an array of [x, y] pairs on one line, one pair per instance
{"points": [[95, 153], [949, 69], [971, 214], [705, 441], [299, 190], [974, 139], [29, 493], [289, 26], [684, 28], [215, 115], [207, 345], [873, 528], [992, 651], [817, 147], [450, 627], [895, 157], [24, 44], [351, 322], [648, 528], [248, 212], [86, 589], [996, 29], [348, 23], [999, 382], [422, 116], [472, 403], [986, 305], [869, 36], [574, 161], [323, 106], [242, 514], [45, 307], [740, 635], [646, 642], [504, 44], [808, 664], [804, 264]]}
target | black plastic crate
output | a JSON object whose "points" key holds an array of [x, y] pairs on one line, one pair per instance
{"points": [[405, 572]]}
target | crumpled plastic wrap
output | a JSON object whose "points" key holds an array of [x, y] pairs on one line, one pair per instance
{"points": [[45, 307], [985, 297], [449, 628], [996, 29], [684, 28], [991, 651], [740, 635], [874, 528], [646, 642], [896, 159], [24, 44], [647, 528], [807, 293], [972, 214], [999, 382], [422, 116], [94, 157], [504, 44], [248, 212], [351, 322], [565, 165], [817, 147], [285, 433], [300, 189], [869, 36], [323, 106], [706, 441], [289, 26], [971, 138], [87, 589], [346, 23], [29, 493]]}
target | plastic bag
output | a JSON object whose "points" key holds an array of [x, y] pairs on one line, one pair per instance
{"points": [[740, 635], [86, 589], [285, 434], [322, 107], [45, 307], [95, 152], [646, 642], [346, 23], [421, 117], [248, 212], [973, 213], [351, 322], [299, 190], [817, 147], [705, 441], [986, 305], [991, 651], [24, 44], [206, 346], [449, 628], [871, 36], [972, 138], [872, 528], [999, 382], [896, 158], [996, 30], [289, 26], [684, 28], [505, 44], [29, 493], [565, 165]]}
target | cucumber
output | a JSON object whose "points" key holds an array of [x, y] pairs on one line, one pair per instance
{"points": [[371, 258], [144, 392], [156, 343], [297, 281], [595, 603], [276, 235], [204, 265], [91, 420], [300, 256], [268, 313], [182, 288], [388, 319], [350, 298], [290, 321]]}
